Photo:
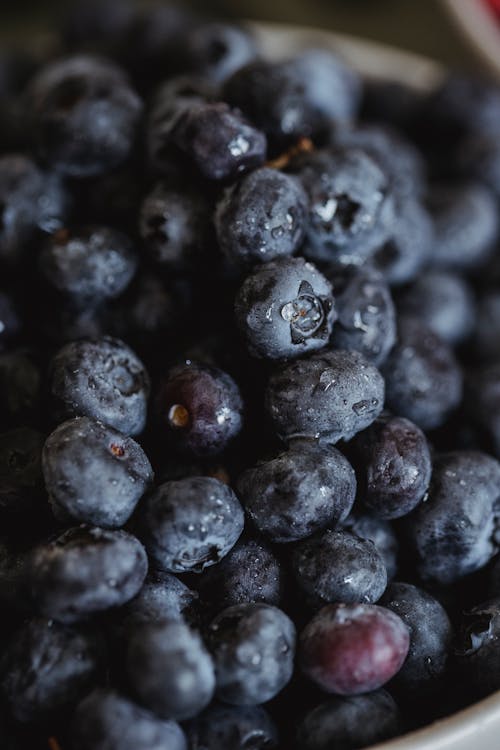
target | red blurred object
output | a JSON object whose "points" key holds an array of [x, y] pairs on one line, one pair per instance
{"points": [[495, 4]]}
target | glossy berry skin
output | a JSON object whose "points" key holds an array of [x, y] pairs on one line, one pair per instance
{"points": [[454, 532], [216, 50], [301, 491], [162, 597], [423, 379], [175, 227], [169, 670], [431, 636], [335, 566], [443, 301], [395, 463], [105, 720], [351, 208], [253, 647], [71, 660], [200, 408], [477, 656], [233, 728], [88, 265], [350, 649], [262, 217], [93, 473], [285, 309], [330, 396], [102, 379], [366, 314], [249, 573], [302, 96], [85, 571], [85, 115], [219, 141], [190, 524], [32, 202], [349, 723], [381, 533]]}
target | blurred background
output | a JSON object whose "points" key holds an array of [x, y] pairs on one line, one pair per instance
{"points": [[424, 27]]}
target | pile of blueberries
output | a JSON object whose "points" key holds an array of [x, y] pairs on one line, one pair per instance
{"points": [[249, 393]]}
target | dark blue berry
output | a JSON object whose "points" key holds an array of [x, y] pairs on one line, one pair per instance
{"points": [[262, 217], [477, 655], [232, 728], [190, 524], [93, 473], [170, 670], [381, 533], [301, 491], [162, 597], [253, 647], [216, 50]]}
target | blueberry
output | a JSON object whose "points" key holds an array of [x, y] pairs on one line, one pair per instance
{"points": [[335, 566], [423, 379], [88, 265], [302, 490], [85, 571], [102, 379], [20, 388], [331, 396], [175, 227], [31, 202], [431, 636], [169, 670], [302, 96], [381, 533], [93, 473], [351, 649], [454, 532], [216, 50], [466, 224], [232, 728], [285, 309], [443, 301], [85, 115], [249, 573], [477, 654], [10, 321], [253, 648], [219, 141], [351, 208], [262, 217], [190, 524], [47, 668], [105, 720], [162, 597], [200, 408], [366, 314], [395, 463], [350, 723]]}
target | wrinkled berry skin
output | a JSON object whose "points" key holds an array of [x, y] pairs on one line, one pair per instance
{"points": [[336, 566], [89, 265], [477, 656], [232, 728], [84, 115], [299, 97], [350, 723], [381, 533], [351, 208], [93, 473], [169, 670], [105, 720], [262, 217], [102, 379], [71, 661], [200, 408], [454, 532], [216, 50], [190, 524], [161, 597], [366, 314], [249, 573], [253, 648], [431, 636], [423, 379], [219, 141], [330, 396], [301, 491], [395, 463], [353, 649], [85, 571], [285, 309]]}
